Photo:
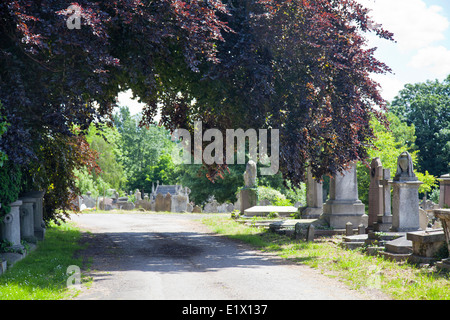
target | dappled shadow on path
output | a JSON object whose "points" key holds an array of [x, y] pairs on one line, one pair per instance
{"points": [[168, 252]]}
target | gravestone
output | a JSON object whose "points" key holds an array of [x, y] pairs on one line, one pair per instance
{"points": [[167, 203], [375, 192], [405, 196], [39, 224], [444, 216], [211, 206], [27, 220], [384, 221], [197, 209], [11, 226], [314, 198], [444, 193], [137, 195], [344, 205], [179, 202], [248, 196], [88, 201], [159, 202]]}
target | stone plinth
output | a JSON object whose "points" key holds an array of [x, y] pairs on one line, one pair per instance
{"points": [[39, 225], [314, 198], [27, 219], [248, 198], [444, 195], [11, 226], [425, 245], [405, 206], [344, 205], [444, 216]]}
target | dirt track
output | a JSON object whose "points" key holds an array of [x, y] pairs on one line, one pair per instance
{"points": [[150, 256]]}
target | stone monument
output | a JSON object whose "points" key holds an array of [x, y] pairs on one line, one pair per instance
{"points": [[314, 198], [375, 192], [444, 195], [10, 228], [344, 205], [384, 221], [27, 219], [39, 224], [248, 197], [405, 196]]}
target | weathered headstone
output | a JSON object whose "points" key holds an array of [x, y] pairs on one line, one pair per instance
{"points": [[310, 233], [197, 209], [27, 219], [348, 229], [168, 203], [444, 216], [211, 207], [39, 224], [137, 195], [248, 195], [375, 192], [384, 222], [344, 205], [314, 198], [405, 196], [159, 202], [11, 226]]}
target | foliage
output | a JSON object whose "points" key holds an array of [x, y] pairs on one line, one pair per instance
{"points": [[282, 202], [388, 145], [429, 182], [10, 183], [53, 78], [307, 70], [141, 151], [427, 106], [268, 193]]}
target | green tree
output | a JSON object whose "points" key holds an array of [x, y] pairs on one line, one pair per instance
{"points": [[388, 145], [141, 147], [427, 107]]}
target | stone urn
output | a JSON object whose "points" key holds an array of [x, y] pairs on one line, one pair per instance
{"points": [[444, 216]]}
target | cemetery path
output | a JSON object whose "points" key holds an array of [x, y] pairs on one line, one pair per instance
{"points": [[170, 256]]}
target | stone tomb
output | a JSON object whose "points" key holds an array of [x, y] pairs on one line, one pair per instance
{"points": [[10, 228], [263, 211], [425, 245], [344, 205]]}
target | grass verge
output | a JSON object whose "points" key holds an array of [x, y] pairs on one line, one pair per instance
{"points": [[398, 280], [41, 275]]}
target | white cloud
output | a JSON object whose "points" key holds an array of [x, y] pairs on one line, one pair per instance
{"points": [[432, 60], [414, 24], [390, 85]]}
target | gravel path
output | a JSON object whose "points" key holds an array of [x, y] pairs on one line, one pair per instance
{"points": [[151, 256]]}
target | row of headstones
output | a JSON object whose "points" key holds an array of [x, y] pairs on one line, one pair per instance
{"points": [[24, 221], [399, 213]]}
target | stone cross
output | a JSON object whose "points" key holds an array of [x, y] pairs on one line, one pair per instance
{"points": [[375, 191]]}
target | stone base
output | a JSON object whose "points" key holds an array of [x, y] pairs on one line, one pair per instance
{"points": [[383, 224], [311, 213], [248, 199], [444, 265], [426, 244], [338, 212]]}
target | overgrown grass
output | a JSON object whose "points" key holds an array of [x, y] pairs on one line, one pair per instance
{"points": [[358, 270], [41, 275]]}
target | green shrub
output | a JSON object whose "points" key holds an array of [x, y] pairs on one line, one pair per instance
{"points": [[267, 193]]}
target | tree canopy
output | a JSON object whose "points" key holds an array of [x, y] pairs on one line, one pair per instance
{"points": [[298, 66], [427, 107]]}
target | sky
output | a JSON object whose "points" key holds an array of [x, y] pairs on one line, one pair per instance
{"points": [[422, 50]]}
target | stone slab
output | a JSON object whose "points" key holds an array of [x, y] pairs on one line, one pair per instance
{"points": [[427, 236], [262, 211], [399, 246]]}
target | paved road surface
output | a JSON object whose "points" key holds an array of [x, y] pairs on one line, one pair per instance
{"points": [[150, 256]]}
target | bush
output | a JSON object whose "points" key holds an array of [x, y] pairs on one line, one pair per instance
{"points": [[267, 193]]}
